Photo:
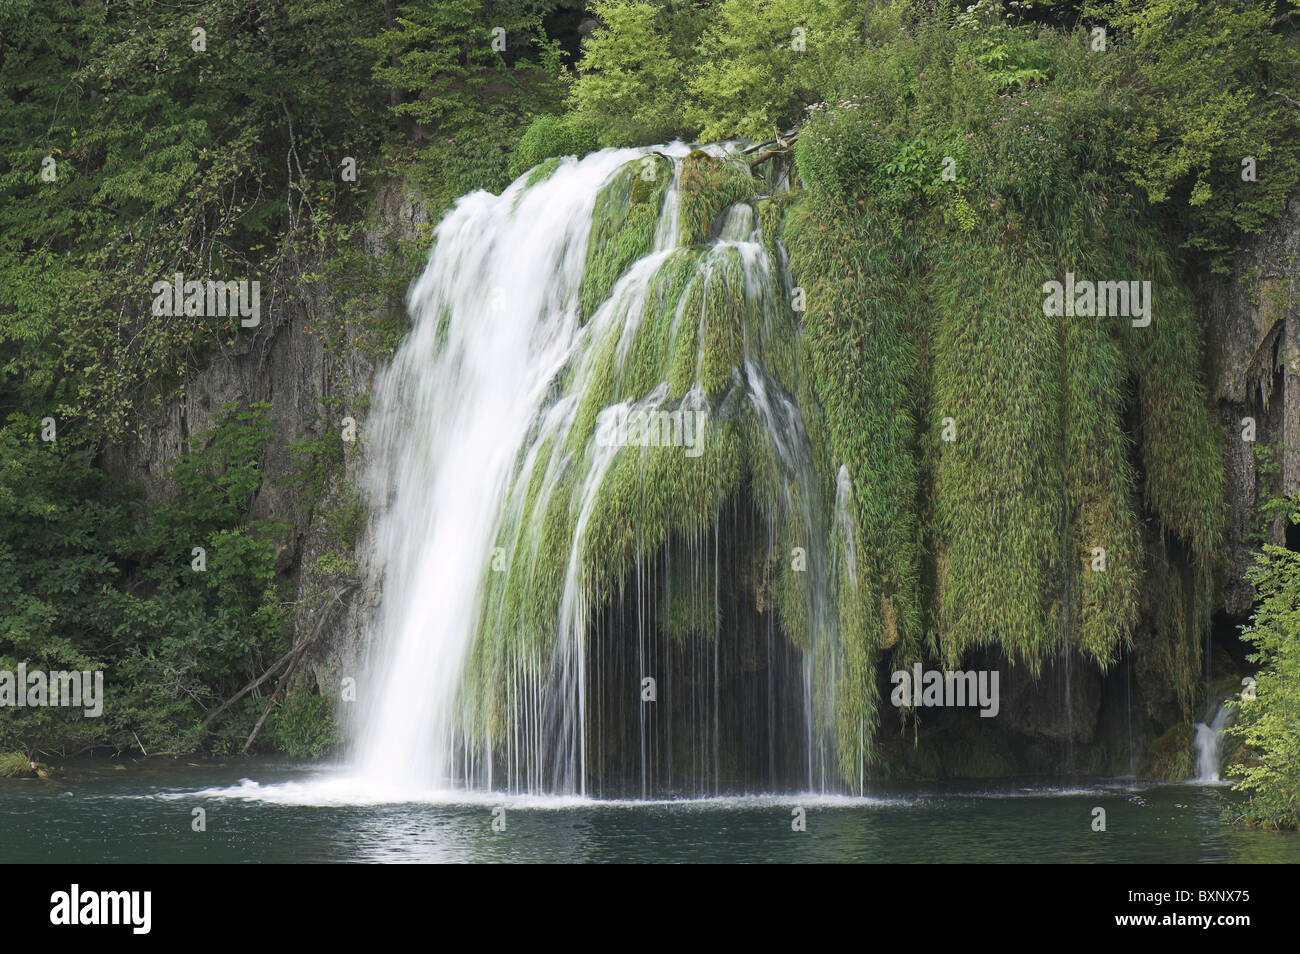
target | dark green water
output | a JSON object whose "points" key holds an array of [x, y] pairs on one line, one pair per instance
{"points": [[98, 813]]}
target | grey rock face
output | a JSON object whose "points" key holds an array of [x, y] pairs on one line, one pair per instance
{"points": [[1253, 360], [285, 363]]}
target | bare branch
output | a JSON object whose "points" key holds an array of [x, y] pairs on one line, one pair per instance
{"points": [[1280, 95]]}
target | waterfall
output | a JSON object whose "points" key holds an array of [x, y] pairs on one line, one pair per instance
{"points": [[1209, 743], [503, 655], [494, 321]]}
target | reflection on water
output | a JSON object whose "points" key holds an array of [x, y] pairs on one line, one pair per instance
{"points": [[271, 812]]}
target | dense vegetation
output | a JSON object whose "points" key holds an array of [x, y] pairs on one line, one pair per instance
{"points": [[950, 160], [1268, 718]]}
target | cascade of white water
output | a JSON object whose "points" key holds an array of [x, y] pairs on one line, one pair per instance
{"points": [[477, 431], [494, 321]]}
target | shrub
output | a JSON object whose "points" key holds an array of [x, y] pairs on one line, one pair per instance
{"points": [[1269, 717], [550, 136]]}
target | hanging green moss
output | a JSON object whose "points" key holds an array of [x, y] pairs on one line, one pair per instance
{"points": [[1102, 560], [936, 465], [863, 362], [994, 434], [1182, 448], [649, 492], [623, 226], [863, 365], [708, 185], [722, 321], [666, 344]]}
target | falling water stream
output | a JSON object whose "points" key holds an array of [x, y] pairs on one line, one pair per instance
{"points": [[1209, 743], [492, 378], [494, 322]]}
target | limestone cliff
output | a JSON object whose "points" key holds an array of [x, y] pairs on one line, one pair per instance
{"points": [[1252, 337], [310, 386]]}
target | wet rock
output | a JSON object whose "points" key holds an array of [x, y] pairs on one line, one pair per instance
{"points": [[1170, 757]]}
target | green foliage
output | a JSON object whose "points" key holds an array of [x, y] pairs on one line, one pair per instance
{"points": [[631, 73], [759, 64], [477, 156], [167, 160], [332, 563], [92, 581], [1268, 719], [364, 284], [303, 726], [1010, 58], [1218, 85], [440, 57], [464, 77], [662, 69], [1273, 510], [218, 477], [346, 517], [549, 136], [315, 459]]}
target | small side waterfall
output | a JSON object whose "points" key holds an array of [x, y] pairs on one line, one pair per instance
{"points": [[1209, 743]]}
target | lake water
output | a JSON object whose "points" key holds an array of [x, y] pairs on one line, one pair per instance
{"points": [[258, 811]]}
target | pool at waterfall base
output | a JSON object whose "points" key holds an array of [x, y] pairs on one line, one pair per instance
{"points": [[279, 812]]}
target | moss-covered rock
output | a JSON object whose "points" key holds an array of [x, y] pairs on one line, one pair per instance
{"points": [[543, 171], [17, 765], [1170, 757], [708, 185], [623, 226]]}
